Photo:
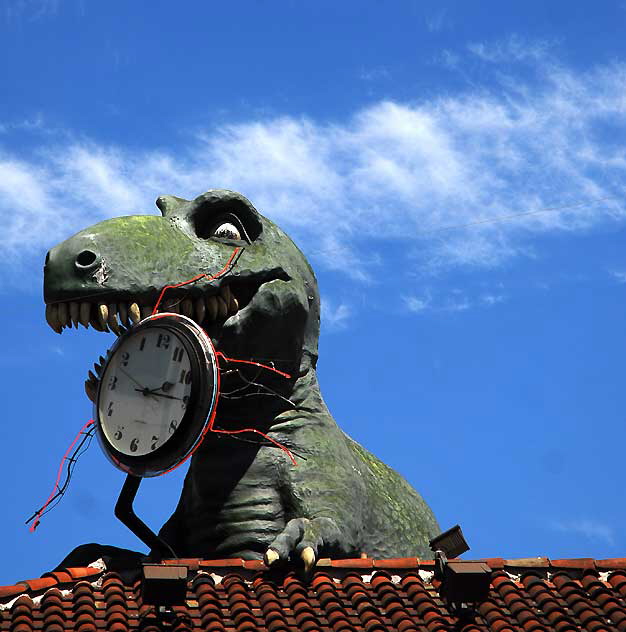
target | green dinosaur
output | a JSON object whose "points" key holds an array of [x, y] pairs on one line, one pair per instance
{"points": [[243, 498]]}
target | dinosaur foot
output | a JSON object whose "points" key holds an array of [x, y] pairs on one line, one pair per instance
{"points": [[304, 539]]}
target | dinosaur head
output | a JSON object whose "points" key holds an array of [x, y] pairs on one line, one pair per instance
{"points": [[264, 304]]}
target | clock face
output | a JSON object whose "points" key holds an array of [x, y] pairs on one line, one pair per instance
{"points": [[144, 391]]}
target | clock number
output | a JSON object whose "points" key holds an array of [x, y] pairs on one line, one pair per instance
{"points": [[118, 434], [164, 341], [110, 409], [142, 344], [155, 441], [125, 356], [112, 382], [185, 401], [134, 444], [173, 425], [178, 354], [185, 377]]}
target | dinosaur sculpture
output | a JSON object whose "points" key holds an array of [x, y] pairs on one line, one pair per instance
{"points": [[243, 498]]}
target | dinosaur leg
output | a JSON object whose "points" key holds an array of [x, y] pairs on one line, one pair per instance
{"points": [[306, 539]]}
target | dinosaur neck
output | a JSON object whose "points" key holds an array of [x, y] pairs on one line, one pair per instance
{"points": [[297, 404]]}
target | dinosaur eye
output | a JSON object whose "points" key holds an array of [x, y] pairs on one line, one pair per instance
{"points": [[226, 230]]}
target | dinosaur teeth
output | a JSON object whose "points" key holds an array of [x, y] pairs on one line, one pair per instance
{"points": [[234, 305], [211, 307], [83, 316], [225, 294], [134, 313], [118, 317], [187, 308], [222, 308], [112, 319], [122, 310], [200, 310], [62, 314], [74, 311], [52, 318]]}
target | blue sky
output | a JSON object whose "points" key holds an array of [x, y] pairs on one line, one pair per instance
{"points": [[484, 361]]}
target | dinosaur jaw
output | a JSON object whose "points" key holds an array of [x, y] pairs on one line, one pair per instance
{"points": [[117, 313]]}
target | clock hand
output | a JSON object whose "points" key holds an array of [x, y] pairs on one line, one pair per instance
{"points": [[127, 374], [152, 392]]}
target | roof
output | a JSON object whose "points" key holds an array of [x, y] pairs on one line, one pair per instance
{"points": [[342, 595]]}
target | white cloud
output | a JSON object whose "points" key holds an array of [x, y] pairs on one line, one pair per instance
{"points": [[454, 301], [492, 299], [436, 21], [394, 172], [334, 315], [589, 529], [513, 48], [619, 275], [417, 304]]}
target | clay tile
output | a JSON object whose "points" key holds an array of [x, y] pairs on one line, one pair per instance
{"points": [[499, 580], [611, 563], [84, 571], [36, 585], [494, 563], [82, 588], [8, 592], [199, 580], [353, 563], [275, 626], [254, 565], [320, 579], [398, 562], [426, 565], [192, 563], [528, 562], [226, 563], [62, 576], [232, 582], [579, 564]]}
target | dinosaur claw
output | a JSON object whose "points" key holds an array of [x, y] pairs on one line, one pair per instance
{"points": [[308, 557], [271, 556]]}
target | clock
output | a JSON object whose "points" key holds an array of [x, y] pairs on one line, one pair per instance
{"points": [[157, 394]]}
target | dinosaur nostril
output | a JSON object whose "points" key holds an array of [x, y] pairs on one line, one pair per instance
{"points": [[85, 259]]}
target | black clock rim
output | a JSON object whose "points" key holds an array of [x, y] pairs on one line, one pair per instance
{"points": [[193, 423]]}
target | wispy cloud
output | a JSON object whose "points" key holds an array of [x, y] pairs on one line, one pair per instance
{"points": [[590, 529], [396, 172], [513, 48], [619, 275], [453, 301], [31, 9], [492, 299], [335, 316], [417, 304], [436, 21], [378, 73]]}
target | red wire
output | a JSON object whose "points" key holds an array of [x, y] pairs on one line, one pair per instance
{"points": [[277, 443], [210, 426], [59, 473], [263, 366], [196, 278]]}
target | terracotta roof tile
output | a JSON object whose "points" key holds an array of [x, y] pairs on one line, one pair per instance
{"points": [[529, 595]]}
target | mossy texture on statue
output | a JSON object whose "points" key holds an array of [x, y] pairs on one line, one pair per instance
{"points": [[242, 496]]}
